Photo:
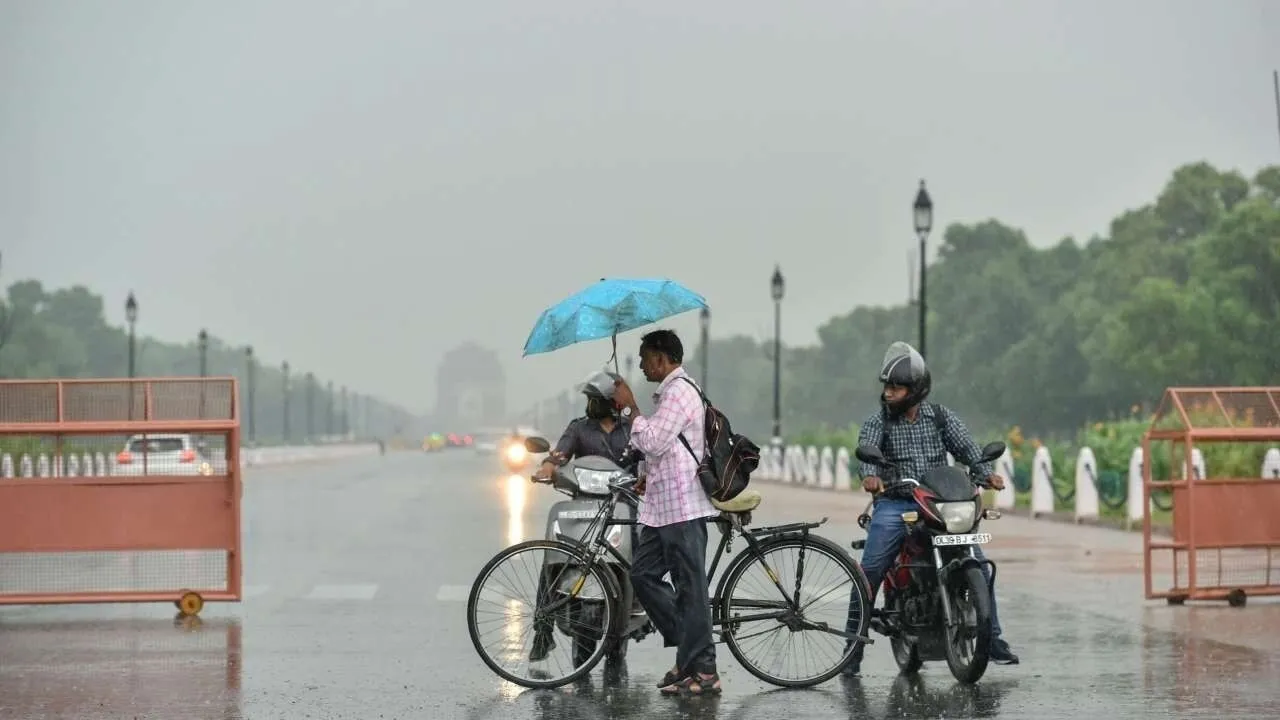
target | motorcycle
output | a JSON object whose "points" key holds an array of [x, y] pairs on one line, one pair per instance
{"points": [[515, 455], [937, 602], [586, 481]]}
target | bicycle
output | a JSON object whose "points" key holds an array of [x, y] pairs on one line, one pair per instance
{"points": [[585, 581]]}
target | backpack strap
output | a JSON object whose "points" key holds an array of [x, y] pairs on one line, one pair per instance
{"points": [[939, 417], [683, 440], [939, 422]]}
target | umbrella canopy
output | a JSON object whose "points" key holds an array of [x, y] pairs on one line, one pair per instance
{"points": [[607, 308]]}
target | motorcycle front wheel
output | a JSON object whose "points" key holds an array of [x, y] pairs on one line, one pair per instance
{"points": [[968, 643]]}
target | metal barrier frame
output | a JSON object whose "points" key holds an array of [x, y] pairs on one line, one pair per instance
{"points": [[218, 494], [1201, 521]]}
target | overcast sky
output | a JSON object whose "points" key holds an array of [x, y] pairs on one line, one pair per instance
{"points": [[359, 187]]}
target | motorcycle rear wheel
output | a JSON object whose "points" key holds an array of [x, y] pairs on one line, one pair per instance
{"points": [[970, 601]]}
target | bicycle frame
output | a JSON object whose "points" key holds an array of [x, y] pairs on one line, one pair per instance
{"points": [[786, 610]]}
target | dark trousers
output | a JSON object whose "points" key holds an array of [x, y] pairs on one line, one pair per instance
{"points": [[682, 614]]}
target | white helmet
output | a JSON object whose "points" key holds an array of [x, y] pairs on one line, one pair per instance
{"points": [[599, 384]]}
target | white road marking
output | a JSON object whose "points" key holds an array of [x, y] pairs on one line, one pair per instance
{"points": [[342, 592], [453, 593], [253, 591]]}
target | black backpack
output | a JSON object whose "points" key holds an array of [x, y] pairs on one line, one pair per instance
{"points": [[726, 467]]}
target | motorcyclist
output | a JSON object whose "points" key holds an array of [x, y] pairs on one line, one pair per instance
{"points": [[601, 431], [916, 436]]}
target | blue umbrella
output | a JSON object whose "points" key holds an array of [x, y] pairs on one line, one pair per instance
{"points": [[608, 308]]}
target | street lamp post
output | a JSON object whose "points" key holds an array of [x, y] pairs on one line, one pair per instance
{"points": [[204, 365], [328, 410], [204, 352], [284, 372], [778, 287], [251, 380], [345, 425], [922, 211], [705, 318], [131, 315], [311, 406]]}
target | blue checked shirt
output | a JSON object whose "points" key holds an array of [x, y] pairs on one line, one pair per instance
{"points": [[918, 446]]}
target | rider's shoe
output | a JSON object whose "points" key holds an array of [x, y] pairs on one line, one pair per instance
{"points": [[543, 644], [1001, 653]]}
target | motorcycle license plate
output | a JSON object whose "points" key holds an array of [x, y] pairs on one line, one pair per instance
{"points": [[974, 539]]}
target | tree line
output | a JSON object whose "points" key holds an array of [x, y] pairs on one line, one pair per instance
{"points": [[63, 333], [1184, 290]]}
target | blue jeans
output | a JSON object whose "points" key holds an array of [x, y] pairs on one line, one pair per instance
{"points": [[885, 536]]}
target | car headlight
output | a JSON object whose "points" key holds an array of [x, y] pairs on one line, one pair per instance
{"points": [[593, 481], [958, 516]]}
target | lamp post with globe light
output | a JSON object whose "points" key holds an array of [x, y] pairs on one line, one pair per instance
{"points": [[777, 287], [922, 212]]}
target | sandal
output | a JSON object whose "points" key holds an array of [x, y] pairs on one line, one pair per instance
{"points": [[671, 678], [695, 684]]}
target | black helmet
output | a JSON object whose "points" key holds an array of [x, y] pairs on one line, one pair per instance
{"points": [[903, 366]]}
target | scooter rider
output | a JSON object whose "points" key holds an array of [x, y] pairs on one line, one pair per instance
{"points": [[603, 432], [916, 436]]}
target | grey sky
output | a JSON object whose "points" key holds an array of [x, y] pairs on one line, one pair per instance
{"points": [[359, 187]]}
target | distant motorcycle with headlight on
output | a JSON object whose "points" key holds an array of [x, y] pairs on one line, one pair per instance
{"points": [[515, 455], [937, 603]]}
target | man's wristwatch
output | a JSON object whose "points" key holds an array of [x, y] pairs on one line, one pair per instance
{"points": [[626, 412]]}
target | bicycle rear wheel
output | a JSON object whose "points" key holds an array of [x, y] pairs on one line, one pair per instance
{"points": [[570, 612], [838, 599]]}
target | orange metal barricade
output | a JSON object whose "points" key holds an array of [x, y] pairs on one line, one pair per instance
{"points": [[1225, 534], [135, 496]]}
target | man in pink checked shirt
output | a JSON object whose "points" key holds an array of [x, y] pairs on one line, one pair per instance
{"points": [[673, 534]]}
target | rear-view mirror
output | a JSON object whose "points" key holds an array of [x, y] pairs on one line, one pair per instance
{"points": [[992, 451], [535, 444], [869, 454]]}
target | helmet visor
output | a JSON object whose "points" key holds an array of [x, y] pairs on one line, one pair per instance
{"points": [[903, 365]]}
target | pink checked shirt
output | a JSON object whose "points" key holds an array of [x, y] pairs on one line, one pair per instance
{"points": [[672, 491]]}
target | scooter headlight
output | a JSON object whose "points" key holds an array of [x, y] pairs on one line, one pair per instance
{"points": [[959, 517], [516, 453], [595, 482]]}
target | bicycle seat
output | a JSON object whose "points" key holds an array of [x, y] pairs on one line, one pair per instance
{"points": [[745, 501]]}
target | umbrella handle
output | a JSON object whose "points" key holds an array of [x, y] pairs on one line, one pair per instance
{"points": [[615, 353]]}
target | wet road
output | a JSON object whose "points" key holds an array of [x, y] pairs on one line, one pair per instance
{"points": [[356, 576]]}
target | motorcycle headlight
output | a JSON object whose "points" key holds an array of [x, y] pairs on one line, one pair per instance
{"points": [[593, 481], [958, 516], [516, 453]]}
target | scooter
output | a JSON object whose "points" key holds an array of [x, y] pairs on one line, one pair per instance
{"points": [[586, 481]]}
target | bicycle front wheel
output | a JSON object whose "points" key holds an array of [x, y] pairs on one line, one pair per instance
{"points": [[825, 595], [538, 613]]}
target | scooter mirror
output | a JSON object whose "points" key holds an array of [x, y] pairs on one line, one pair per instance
{"points": [[992, 451], [535, 444], [869, 454]]}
